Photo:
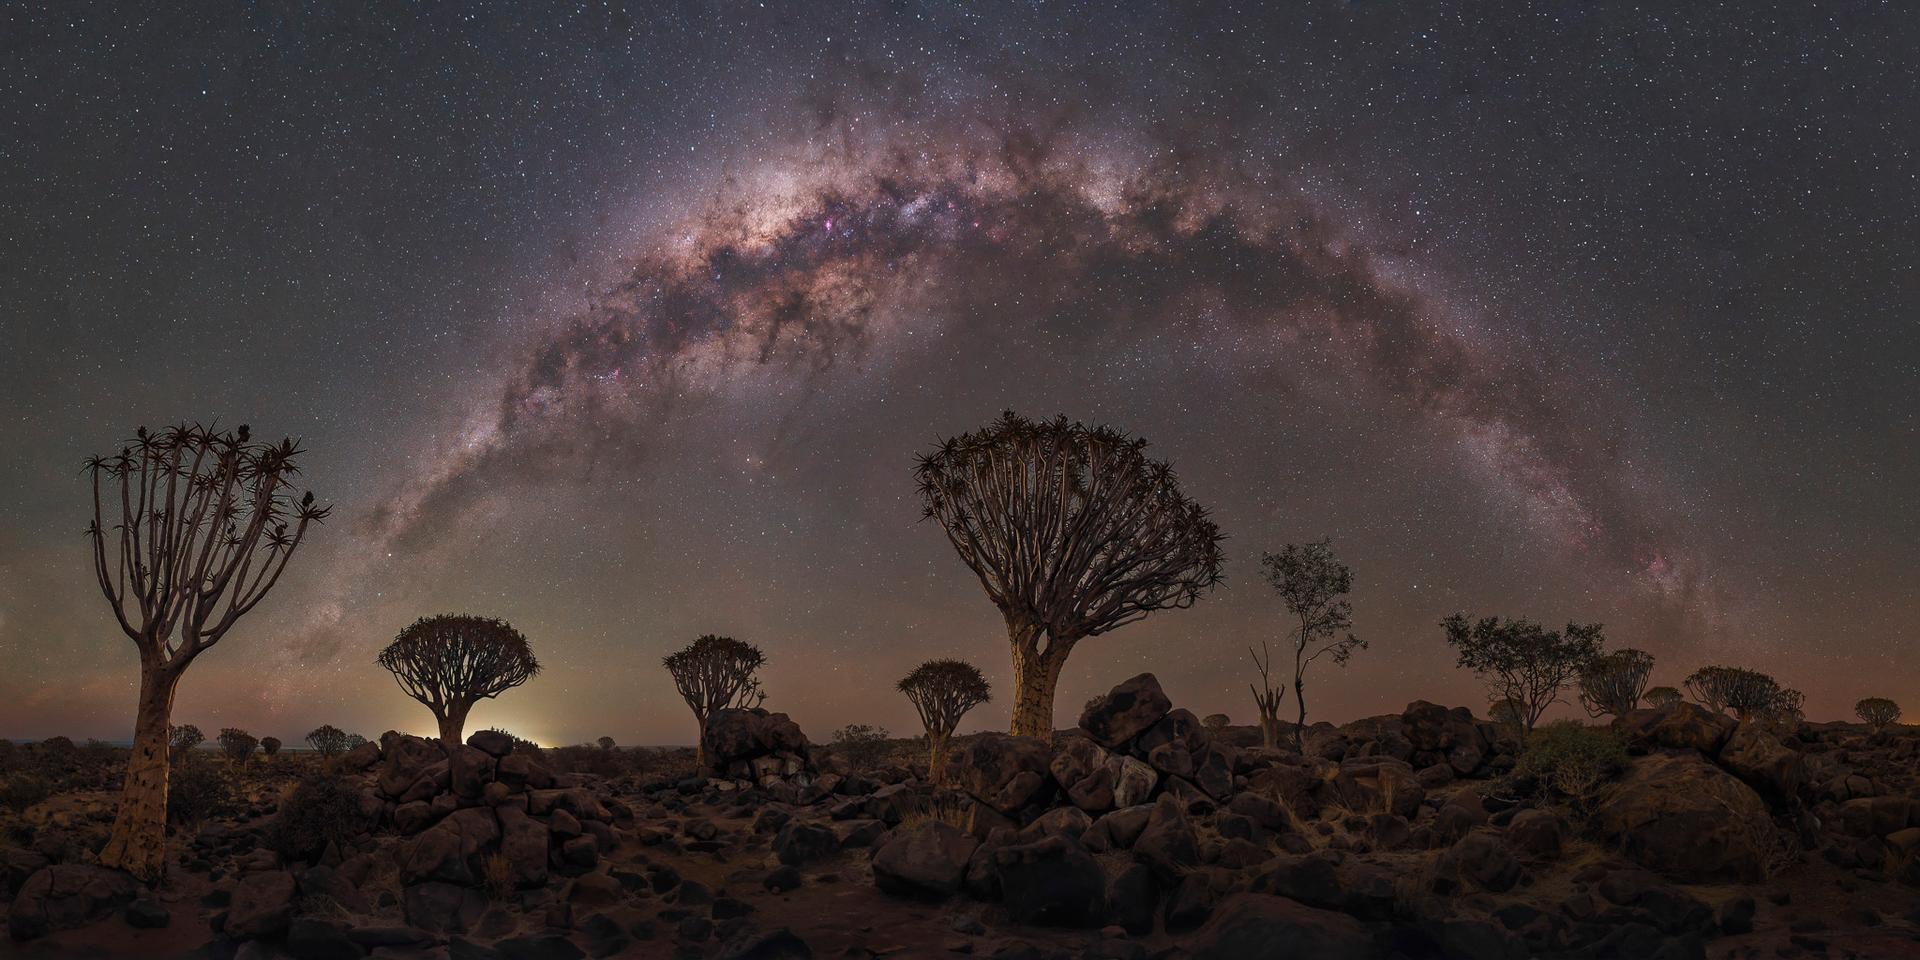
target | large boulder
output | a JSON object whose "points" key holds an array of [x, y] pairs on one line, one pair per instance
{"points": [[262, 905], [1004, 772], [1168, 843], [1173, 744], [740, 736], [1255, 926], [523, 842], [1383, 784], [65, 896], [1684, 817], [1676, 726], [1051, 881], [1757, 756], [450, 850], [407, 760], [1125, 712], [928, 859]]}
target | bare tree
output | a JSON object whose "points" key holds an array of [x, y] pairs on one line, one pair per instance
{"points": [[713, 674], [1612, 684], [1314, 585], [1520, 661], [1266, 696], [1660, 698], [328, 740], [1877, 712], [451, 662], [943, 691], [1073, 532], [205, 522]]}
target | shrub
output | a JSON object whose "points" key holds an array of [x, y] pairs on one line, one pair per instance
{"points": [[269, 745], [522, 745], [327, 740], [317, 811], [1572, 759], [23, 790], [1217, 722], [196, 791], [183, 738], [1660, 698], [861, 744], [237, 744], [606, 743], [355, 741], [1877, 712]]}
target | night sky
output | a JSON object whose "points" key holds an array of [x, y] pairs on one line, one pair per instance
{"points": [[626, 323]]}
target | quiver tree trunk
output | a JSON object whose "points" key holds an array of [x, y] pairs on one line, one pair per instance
{"points": [[453, 724], [1035, 675], [1269, 731], [937, 758], [137, 843]]}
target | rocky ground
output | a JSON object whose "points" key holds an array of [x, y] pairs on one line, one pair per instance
{"points": [[1137, 834]]}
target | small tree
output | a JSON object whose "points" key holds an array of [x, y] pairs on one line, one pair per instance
{"points": [[1611, 684], [606, 743], [943, 691], [1787, 709], [716, 673], [1661, 698], [1216, 723], [355, 741], [449, 663], [1314, 586], [1073, 532], [1748, 693], [1521, 661], [861, 744], [1266, 696], [205, 522], [269, 745], [183, 738], [1877, 712], [237, 744], [328, 741]]}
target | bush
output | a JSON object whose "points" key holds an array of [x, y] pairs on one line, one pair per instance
{"points": [[1217, 722], [23, 790], [238, 744], [183, 738], [328, 740], [198, 789], [1660, 698], [317, 811], [1877, 712], [521, 745], [269, 745], [861, 744], [1572, 759]]}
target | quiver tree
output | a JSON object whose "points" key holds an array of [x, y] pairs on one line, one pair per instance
{"points": [[1073, 532], [269, 745], [1314, 586], [1877, 712], [328, 741], [237, 744], [451, 662], [1521, 661], [1748, 693], [1266, 696], [713, 674], [1612, 684], [943, 691], [606, 743], [1660, 698], [191, 528], [183, 738]]}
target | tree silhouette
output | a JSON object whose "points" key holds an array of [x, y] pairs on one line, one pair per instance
{"points": [[1748, 693], [1314, 586], [1611, 684], [1521, 662], [328, 740], [237, 744], [1877, 712], [1266, 696], [716, 673], [183, 738], [943, 691], [269, 745], [451, 662], [1073, 532], [204, 523], [1662, 697], [606, 743]]}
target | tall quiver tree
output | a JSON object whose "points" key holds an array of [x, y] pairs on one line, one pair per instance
{"points": [[1314, 586], [1612, 684], [202, 523], [451, 662], [1073, 532], [716, 673], [943, 691]]}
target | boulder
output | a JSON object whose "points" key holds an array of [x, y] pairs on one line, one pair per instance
{"points": [[738, 736], [1482, 859], [1125, 712], [1133, 781], [443, 907], [1172, 743], [406, 760], [1379, 784], [1676, 726], [1117, 830], [1167, 843], [1069, 822], [1684, 817], [450, 850], [1538, 833], [262, 905], [1131, 896], [800, 843], [469, 770], [928, 859], [523, 842], [68, 895], [1758, 757], [495, 743], [1075, 758], [1004, 772], [1253, 926], [1052, 881]]}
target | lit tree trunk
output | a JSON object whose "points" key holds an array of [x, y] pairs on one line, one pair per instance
{"points": [[1269, 731], [137, 843], [1300, 700], [937, 758], [1035, 674], [453, 723]]}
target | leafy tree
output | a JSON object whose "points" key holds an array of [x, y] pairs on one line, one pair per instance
{"points": [[1611, 684], [716, 673], [205, 522], [861, 744], [183, 738], [1314, 586], [237, 744], [1877, 712], [943, 691], [1522, 662], [1662, 697], [327, 740], [451, 662], [1073, 532], [269, 745]]}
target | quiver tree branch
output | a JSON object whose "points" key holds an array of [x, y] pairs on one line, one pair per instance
{"points": [[943, 691], [1073, 532], [451, 662], [192, 527]]}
